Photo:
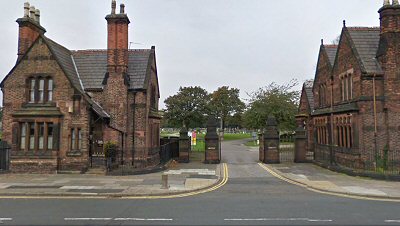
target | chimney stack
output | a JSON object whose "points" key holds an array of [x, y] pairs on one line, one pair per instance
{"points": [[117, 42], [29, 29]]}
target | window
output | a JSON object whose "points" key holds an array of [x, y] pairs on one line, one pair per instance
{"points": [[76, 139], [40, 90], [346, 87], [73, 139], [79, 139], [41, 135], [344, 130], [23, 136], [321, 125], [153, 97], [31, 136], [32, 85], [50, 90], [36, 136], [50, 136]]}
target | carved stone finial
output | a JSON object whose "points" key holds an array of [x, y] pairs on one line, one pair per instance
{"points": [[395, 2], [344, 23], [322, 41], [386, 2]]}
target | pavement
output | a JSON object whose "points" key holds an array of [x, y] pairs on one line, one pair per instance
{"points": [[321, 179], [182, 178]]}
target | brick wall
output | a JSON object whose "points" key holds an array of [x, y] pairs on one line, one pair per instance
{"points": [[40, 61]]}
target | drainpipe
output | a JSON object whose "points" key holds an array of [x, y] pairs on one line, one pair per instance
{"points": [[133, 130], [332, 128], [375, 118]]}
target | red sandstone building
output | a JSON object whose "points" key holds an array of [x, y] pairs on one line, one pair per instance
{"points": [[353, 114], [62, 106]]}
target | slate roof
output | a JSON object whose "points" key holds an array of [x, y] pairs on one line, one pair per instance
{"points": [[92, 67], [308, 87], [331, 51], [366, 42], [86, 69], [66, 60]]}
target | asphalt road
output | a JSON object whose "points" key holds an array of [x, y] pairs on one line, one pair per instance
{"points": [[251, 197]]}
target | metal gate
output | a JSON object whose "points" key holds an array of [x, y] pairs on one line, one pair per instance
{"points": [[286, 152], [4, 156]]}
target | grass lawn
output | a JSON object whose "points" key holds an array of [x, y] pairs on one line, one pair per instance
{"points": [[236, 136], [252, 143]]}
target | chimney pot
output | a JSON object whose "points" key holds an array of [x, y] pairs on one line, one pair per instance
{"points": [[122, 9], [32, 13], [37, 14], [26, 9], [113, 6]]}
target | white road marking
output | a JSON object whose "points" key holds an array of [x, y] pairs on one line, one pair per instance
{"points": [[115, 219], [279, 219], [143, 219], [87, 219], [392, 221], [6, 219]]}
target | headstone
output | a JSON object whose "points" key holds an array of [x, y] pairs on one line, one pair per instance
{"points": [[184, 146], [213, 148]]}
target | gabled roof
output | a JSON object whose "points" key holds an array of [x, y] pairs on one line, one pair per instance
{"points": [[92, 67], [64, 58], [308, 88], [331, 51], [365, 41], [66, 61]]}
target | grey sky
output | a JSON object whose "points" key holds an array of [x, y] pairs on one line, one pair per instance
{"points": [[240, 43]]}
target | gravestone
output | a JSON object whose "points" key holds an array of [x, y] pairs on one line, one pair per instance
{"points": [[213, 147]]}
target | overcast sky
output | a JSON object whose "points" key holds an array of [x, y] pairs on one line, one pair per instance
{"points": [[209, 43]]}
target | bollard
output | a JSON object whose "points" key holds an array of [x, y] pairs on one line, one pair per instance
{"points": [[164, 179]]}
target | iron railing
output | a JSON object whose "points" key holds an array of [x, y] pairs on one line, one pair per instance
{"points": [[4, 156], [385, 162]]}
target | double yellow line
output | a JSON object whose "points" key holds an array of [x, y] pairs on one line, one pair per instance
{"points": [[224, 180], [360, 197]]}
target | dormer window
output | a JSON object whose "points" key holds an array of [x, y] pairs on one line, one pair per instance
{"points": [[40, 89]]}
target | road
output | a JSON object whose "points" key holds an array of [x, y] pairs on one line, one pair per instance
{"points": [[251, 197]]}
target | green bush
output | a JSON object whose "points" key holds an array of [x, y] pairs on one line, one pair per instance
{"points": [[110, 149]]}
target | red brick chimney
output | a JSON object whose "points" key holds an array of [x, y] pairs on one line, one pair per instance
{"points": [[29, 29], [388, 54], [117, 45]]}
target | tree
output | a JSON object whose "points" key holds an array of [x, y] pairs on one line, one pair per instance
{"points": [[280, 101], [188, 107], [225, 102]]}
